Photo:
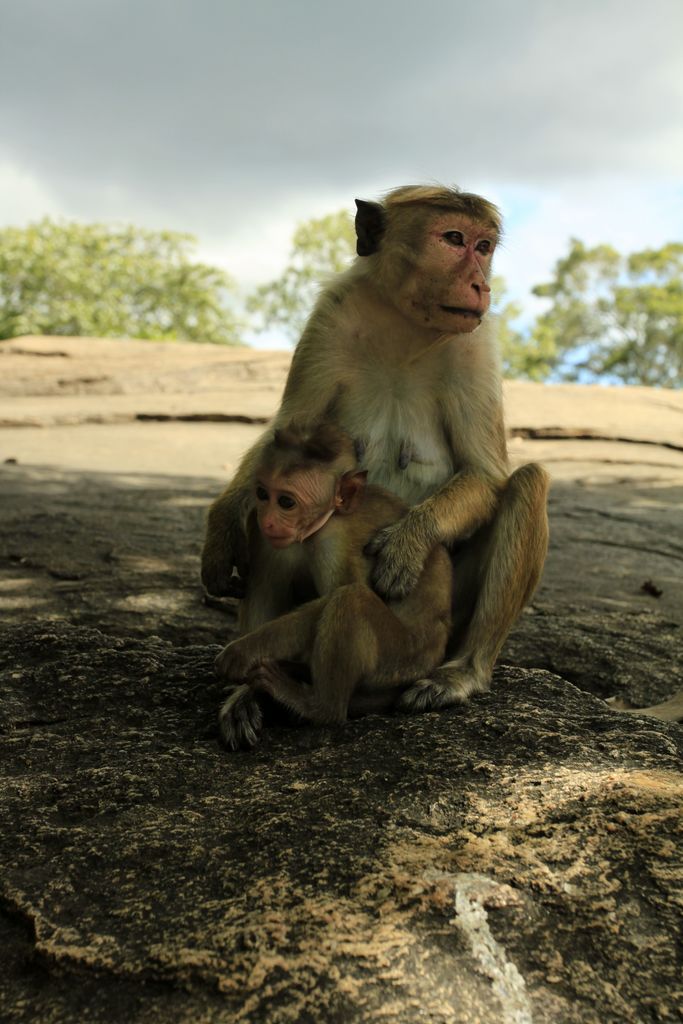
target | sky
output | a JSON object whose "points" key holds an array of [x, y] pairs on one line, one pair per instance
{"points": [[236, 119]]}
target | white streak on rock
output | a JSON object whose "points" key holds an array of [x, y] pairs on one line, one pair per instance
{"points": [[472, 892]]}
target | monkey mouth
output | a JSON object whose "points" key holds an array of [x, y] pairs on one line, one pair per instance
{"points": [[280, 541], [461, 311]]}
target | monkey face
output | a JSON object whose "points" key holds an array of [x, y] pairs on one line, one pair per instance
{"points": [[290, 507], [447, 288]]}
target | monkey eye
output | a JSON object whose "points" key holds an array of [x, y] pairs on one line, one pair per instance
{"points": [[261, 493], [454, 238], [485, 246], [284, 501]]}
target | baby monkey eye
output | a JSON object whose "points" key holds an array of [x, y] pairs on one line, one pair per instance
{"points": [[284, 501], [261, 493], [454, 238], [485, 246]]}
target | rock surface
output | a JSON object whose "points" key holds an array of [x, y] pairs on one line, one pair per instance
{"points": [[514, 860]]}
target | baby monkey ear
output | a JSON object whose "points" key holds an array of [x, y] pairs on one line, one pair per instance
{"points": [[370, 223], [350, 491]]}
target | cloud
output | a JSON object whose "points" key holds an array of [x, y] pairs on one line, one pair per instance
{"points": [[23, 197], [197, 104], [236, 120], [629, 216]]}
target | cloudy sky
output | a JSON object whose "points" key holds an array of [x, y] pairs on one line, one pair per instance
{"points": [[234, 119]]}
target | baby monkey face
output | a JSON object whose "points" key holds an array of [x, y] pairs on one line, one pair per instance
{"points": [[289, 506]]}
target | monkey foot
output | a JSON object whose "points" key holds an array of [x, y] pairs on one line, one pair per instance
{"points": [[240, 719], [452, 683]]}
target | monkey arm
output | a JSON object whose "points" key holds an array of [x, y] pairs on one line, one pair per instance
{"points": [[225, 542], [322, 367], [465, 503], [460, 507]]}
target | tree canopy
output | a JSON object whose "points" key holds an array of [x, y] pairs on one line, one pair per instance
{"points": [[110, 281], [614, 316], [518, 357], [608, 316]]}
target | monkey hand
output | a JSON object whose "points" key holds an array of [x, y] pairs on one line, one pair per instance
{"points": [[399, 551], [236, 587], [222, 550], [236, 660]]}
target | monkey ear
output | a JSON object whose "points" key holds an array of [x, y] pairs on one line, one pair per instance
{"points": [[370, 223], [350, 491]]}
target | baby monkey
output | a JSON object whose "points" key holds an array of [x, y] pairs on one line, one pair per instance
{"points": [[314, 515]]}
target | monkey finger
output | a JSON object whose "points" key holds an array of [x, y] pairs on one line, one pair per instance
{"points": [[241, 566], [217, 580], [214, 585], [374, 546], [236, 587]]}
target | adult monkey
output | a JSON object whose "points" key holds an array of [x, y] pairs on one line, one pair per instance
{"points": [[399, 353]]}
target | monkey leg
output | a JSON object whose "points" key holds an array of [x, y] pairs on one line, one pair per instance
{"points": [[495, 575], [289, 637], [358, 641]]}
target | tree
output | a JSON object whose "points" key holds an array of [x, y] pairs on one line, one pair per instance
{"points": [[521, 356], [615, 316], [320, 247], [110, 281]]}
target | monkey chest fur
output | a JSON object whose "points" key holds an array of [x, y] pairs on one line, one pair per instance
{"points": [[395, 418]]}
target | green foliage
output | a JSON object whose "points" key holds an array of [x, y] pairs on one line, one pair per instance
{"points": [[609, 316], [320, 247], [520, 356], [615, 316], [109, 281]]}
